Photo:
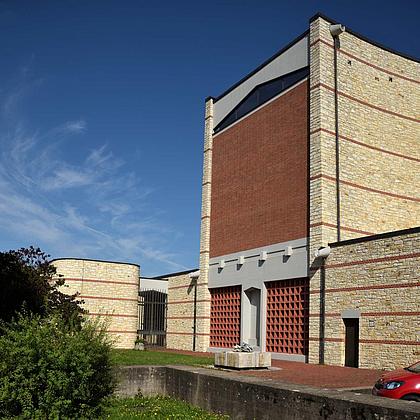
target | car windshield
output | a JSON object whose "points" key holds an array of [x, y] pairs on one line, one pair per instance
{"points": [[414, 368]]}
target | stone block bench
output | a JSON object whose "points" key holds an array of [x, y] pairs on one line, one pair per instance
{"points": [[241, 360]]}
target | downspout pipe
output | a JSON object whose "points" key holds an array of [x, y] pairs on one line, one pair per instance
{"points": [[194, 280], [336, 31], [195, 315], [322, 254]]}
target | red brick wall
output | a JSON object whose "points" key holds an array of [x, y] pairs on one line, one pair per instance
{"points": [[259, 177]]}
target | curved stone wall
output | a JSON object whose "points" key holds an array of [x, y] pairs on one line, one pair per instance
{"points": [[110, 291]]}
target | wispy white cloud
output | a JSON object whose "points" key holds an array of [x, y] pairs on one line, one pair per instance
{"points": [[73, 127], [68, 177], [88, 205]]}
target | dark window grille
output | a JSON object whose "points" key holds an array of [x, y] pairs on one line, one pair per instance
{"points": [[152, 317], [261, 94]]}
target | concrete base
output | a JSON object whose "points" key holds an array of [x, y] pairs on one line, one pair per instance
{"points": [[289, 357], [239, 360]]}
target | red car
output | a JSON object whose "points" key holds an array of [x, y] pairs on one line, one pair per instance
{"points": [[400, 384]]}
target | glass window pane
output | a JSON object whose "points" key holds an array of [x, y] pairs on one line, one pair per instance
{"points": [[262, 94]]}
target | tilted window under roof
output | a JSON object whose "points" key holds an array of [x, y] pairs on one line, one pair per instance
{"points": [[261, 94]]}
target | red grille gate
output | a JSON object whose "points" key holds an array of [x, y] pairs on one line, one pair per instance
{"points": [[225, 316], [288, 316]]}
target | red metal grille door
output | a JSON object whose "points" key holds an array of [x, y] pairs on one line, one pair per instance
{"points": [[225, 316], [288, 316]]}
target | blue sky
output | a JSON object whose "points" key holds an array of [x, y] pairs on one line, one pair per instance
{"points": [[101, 113]]}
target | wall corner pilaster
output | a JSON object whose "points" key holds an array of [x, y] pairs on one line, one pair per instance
{"points": [[203, 338]]}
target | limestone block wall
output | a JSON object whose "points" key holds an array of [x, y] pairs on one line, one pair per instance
{"points": [[110, 291], [180, 313], [379, 277], [379, 132]]}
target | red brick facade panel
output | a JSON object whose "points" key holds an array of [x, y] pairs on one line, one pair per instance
{"points": [[259, 177], [288, 316], [225, 317]]}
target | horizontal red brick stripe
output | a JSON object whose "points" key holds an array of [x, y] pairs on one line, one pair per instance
{"points": [[186, 286], [361, 60], [116, 315], [328, 315], [399, 342], [360, 101], [101, 281], [106, 298], [368, 314], [390, 313], [369, 341], [122, 331], [374, 260], [324, 130], [332, 340], [178, 302], [341, 227], [187, 317], [185, 333], [362, 187], [375, 287], [312, 44]]}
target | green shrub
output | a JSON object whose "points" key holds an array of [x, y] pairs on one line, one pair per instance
{"points": [[48, 370], [29, 280]]}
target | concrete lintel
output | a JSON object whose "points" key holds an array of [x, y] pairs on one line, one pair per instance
{"points": [[350, 313]]}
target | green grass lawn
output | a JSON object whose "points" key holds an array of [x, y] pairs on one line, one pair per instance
{"points": [[124, 357], [156, 408]]}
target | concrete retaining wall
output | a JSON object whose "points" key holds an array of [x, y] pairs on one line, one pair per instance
{"points": [[251, 398]]}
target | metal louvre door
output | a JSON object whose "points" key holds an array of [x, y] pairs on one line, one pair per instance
{"points": [[153, 305]]}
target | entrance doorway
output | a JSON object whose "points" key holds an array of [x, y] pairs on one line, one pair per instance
{"points": [[153, 305], [252, 316], [351, 342]]}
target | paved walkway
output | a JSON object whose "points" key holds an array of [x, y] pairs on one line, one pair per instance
{"points": [[320, 376]]}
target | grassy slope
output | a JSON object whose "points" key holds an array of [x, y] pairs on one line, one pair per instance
{"points": [[156, 408]]}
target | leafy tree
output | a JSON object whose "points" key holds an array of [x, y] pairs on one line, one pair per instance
{"points": [[28, 280], [48, 371]]}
